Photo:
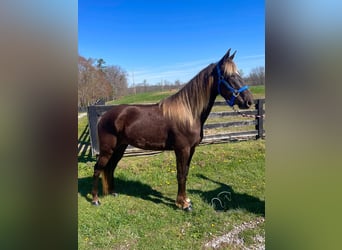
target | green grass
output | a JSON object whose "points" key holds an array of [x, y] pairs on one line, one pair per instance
{"points": [[147, 97], [258, 91], [144, 216]]}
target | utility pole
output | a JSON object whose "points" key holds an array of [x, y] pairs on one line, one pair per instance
{"points": [[134, 89]]}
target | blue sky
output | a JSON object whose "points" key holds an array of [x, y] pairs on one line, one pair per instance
{"points": [[171, 40]]}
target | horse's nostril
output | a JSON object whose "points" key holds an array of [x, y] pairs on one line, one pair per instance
{"points": [[248, 104]]}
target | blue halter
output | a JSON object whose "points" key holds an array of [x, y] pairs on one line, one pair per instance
{"points": [[235, 92]]}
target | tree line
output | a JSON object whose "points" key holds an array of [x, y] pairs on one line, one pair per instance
{"points": [[97, 81], [256, 76]]}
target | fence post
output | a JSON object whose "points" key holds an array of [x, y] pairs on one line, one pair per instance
{"points": [[259, 106], [92, 121]]}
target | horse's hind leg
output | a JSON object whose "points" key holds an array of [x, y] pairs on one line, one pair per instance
{"points": [[107, 143], [98, 168], [108, 174]]}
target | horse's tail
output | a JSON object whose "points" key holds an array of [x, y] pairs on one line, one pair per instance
{"points": [[107, 178]]}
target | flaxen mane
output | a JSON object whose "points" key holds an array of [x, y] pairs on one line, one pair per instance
{"points": [[188, 103]]}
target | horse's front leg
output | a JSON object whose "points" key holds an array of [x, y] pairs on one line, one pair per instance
{"points": [[183, 158], [95, 191]]}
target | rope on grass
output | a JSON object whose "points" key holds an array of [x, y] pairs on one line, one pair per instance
{"points": [[223, 198]]}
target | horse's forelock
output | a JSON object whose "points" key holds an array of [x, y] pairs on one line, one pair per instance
{"points": [[229, 68]]}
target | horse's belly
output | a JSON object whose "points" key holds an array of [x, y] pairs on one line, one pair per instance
{"points": [[144, 143], [148, 138]]}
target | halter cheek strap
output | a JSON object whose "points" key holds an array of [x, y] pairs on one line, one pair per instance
{"points": [[235, 92]]}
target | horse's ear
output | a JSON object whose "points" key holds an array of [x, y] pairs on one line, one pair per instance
{"points": [[225, 57], [227, 54], [232, 56]]}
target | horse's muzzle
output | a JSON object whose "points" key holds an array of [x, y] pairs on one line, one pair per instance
{"points": [[249, 103], [246, 104]]}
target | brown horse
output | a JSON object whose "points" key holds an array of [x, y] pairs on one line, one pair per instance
{"points": [[175, 123]]}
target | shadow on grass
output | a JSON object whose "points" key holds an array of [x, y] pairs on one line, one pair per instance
{"points": [[127, 187], [224, 198]]}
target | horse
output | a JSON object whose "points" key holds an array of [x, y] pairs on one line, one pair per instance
{"points": [[175, 123]]}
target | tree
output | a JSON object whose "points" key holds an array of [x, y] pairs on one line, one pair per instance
{"points": [[117, 78], [100, 63], [178, 83], [97, 81], [257, 76], [92, 83], [145, 85]]}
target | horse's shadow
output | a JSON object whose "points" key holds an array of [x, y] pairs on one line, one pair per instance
{"points": [[224, 198], [129, 188]]}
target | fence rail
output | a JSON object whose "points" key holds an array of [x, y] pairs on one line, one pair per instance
{"points": [[257, 115]]}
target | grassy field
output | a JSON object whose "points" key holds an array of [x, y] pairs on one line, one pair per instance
{"points": [[153, 97], [148, 97], [144, 215]]}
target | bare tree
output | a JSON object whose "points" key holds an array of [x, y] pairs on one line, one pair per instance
{"points": [[241, 73], [117, 78], [178, 83], [257, 76], [92, 83]]}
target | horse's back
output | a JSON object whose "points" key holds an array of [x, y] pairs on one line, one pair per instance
{"points": [[142, 126]]}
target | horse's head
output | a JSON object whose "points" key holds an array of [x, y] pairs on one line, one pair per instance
{"points": [[230, 84]]}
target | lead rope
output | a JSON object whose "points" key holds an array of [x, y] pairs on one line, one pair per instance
{"points": [[246, 115]]}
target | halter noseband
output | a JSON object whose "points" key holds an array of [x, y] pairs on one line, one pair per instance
{"points": [[235, 92]]}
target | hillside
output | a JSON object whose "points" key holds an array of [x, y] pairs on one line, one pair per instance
{"points": [[153, 97]]}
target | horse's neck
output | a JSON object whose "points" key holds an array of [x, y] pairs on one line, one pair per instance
{"points": [[206, 111]]}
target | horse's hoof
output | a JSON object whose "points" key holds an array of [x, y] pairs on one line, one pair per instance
{"points": [[96, 203], [114, 194], [188, 209]]}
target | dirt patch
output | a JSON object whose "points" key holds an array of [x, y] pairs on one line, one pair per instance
{"points": [[232, 239]]}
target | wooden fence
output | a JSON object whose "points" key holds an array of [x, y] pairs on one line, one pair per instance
{"points": [[254, 118]]}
